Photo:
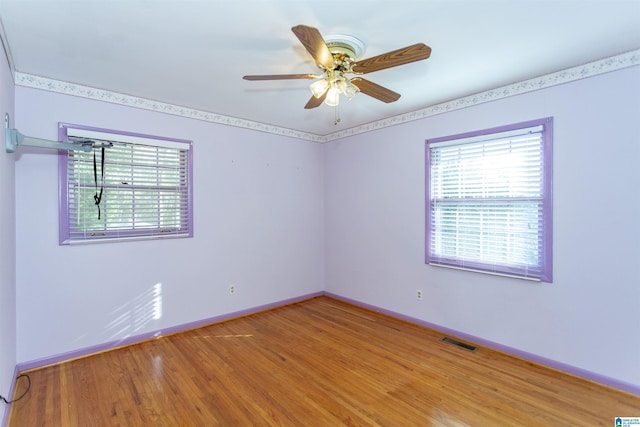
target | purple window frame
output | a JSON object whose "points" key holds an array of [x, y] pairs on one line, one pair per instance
{"points": [[546, 259], [63, 196]]}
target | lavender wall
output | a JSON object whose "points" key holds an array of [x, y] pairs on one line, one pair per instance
{"points": [[587, 317], [280, 218], [7, 244], [258, 215]]}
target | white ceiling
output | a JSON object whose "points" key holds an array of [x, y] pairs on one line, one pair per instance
{"points": [[193, 54]]}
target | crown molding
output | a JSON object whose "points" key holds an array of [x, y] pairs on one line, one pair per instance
{"points": [[591, 69]]}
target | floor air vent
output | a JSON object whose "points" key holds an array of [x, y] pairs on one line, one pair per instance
{"points": [[460, 344]]}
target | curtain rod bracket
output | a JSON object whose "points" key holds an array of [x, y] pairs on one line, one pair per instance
{"points": [[14, 139]]}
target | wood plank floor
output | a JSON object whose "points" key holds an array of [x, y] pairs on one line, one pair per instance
{"points": [[320, 362]]}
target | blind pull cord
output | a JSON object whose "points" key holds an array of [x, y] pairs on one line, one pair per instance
{"points": [[98, 196]]}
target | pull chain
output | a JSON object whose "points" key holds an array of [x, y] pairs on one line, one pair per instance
{"points": [[336, 115]]}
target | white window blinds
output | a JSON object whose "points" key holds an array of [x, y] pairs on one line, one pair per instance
{"points": [[136, 188], [489, 202]]}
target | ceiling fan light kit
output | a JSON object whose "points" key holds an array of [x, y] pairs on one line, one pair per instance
{"points": [[337, 55], [336, 83]]}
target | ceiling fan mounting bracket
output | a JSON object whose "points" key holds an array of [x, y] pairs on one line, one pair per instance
{"points": [[342, 44]]}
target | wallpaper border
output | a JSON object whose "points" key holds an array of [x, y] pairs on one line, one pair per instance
{"points": [[606, 65]]}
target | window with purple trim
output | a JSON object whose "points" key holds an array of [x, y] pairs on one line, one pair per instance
{"points": [[129, 186], [489, 196]]}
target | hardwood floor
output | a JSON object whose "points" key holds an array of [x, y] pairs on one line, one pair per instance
{"points": [[320, 362]]}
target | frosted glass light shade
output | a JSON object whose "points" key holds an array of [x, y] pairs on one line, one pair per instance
{"points": [[333, 97], [319, 88], [350, 89]]}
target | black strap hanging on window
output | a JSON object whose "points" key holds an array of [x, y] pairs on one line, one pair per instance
{"points": [[98, 197]]}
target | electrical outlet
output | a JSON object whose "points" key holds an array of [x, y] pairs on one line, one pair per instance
{"points": [[418, 294], [232, 289]]}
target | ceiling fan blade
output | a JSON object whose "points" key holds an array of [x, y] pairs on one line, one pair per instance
{"points": [[316, 102], [375, 90], [281, 77], [416, 52], [314, 43]]}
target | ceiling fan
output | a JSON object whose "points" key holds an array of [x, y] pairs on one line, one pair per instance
{"points": [[341, 70]]}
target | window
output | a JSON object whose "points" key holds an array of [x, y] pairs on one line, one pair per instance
{"points": [[489, 201], [136, 187]]}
